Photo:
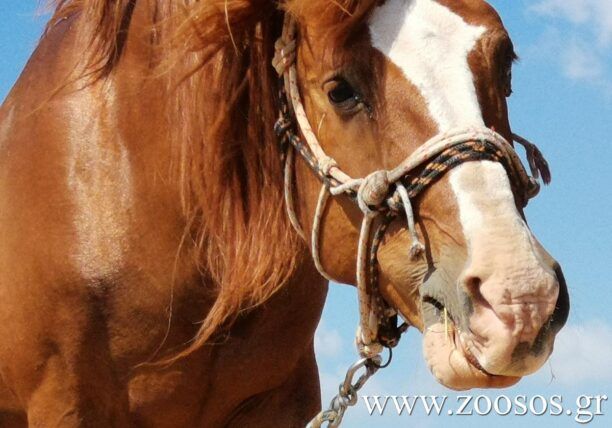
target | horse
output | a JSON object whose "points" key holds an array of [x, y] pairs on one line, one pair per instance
{"points": [[156, 265]]}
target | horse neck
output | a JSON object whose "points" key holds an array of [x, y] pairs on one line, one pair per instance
{"points": [[233, 210]]}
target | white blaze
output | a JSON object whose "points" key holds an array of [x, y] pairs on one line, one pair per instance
{"points": [[431, 45]]}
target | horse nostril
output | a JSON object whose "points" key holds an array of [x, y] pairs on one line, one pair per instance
{"points": [[472, 285]]}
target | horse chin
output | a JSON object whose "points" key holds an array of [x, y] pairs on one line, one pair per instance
{"points": [[453, 365]]}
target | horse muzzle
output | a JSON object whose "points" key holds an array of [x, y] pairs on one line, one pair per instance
{"points": [[489, 331]]}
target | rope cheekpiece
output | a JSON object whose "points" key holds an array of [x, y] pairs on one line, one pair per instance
{"points": [[383, 195]]}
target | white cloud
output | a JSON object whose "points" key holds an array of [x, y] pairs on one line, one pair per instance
{"points": [[594, 15], [581, 63], [573, 10], [328, 342], [579, 35], [583, 353]]}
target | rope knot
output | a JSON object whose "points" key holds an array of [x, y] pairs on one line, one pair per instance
{"points": [[284, 55], [373, 191], [326, 164], [367, 348]]}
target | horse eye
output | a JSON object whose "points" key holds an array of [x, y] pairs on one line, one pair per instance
{"points": [[343, 95]]}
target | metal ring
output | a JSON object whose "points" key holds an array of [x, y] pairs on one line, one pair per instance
{"points": [[384, 366]]}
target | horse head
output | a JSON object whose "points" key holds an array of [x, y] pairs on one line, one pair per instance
{"points": [[395, 76]]}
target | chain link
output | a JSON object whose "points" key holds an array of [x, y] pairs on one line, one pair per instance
{"points": [[348, 393]]}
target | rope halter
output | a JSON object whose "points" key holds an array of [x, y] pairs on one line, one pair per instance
{"points": [[384, 194]]}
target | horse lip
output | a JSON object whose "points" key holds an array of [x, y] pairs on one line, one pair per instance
{"points": [[469, 355], [455, 332]]}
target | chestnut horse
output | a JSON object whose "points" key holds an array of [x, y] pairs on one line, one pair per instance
{"points": [[150, 275]]}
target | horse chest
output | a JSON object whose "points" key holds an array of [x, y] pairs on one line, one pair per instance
{"points": [[259, 353]]}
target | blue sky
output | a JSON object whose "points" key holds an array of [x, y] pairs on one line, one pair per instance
{"points": [[563, 101]]}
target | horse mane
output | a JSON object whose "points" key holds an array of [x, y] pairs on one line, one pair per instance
{"points": [[216, 57]]}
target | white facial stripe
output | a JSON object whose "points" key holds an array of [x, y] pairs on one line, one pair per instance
{"points": [[431, 44], [487, 207]]}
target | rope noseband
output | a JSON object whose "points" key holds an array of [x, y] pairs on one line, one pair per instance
{"points": [[382, 196]]}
